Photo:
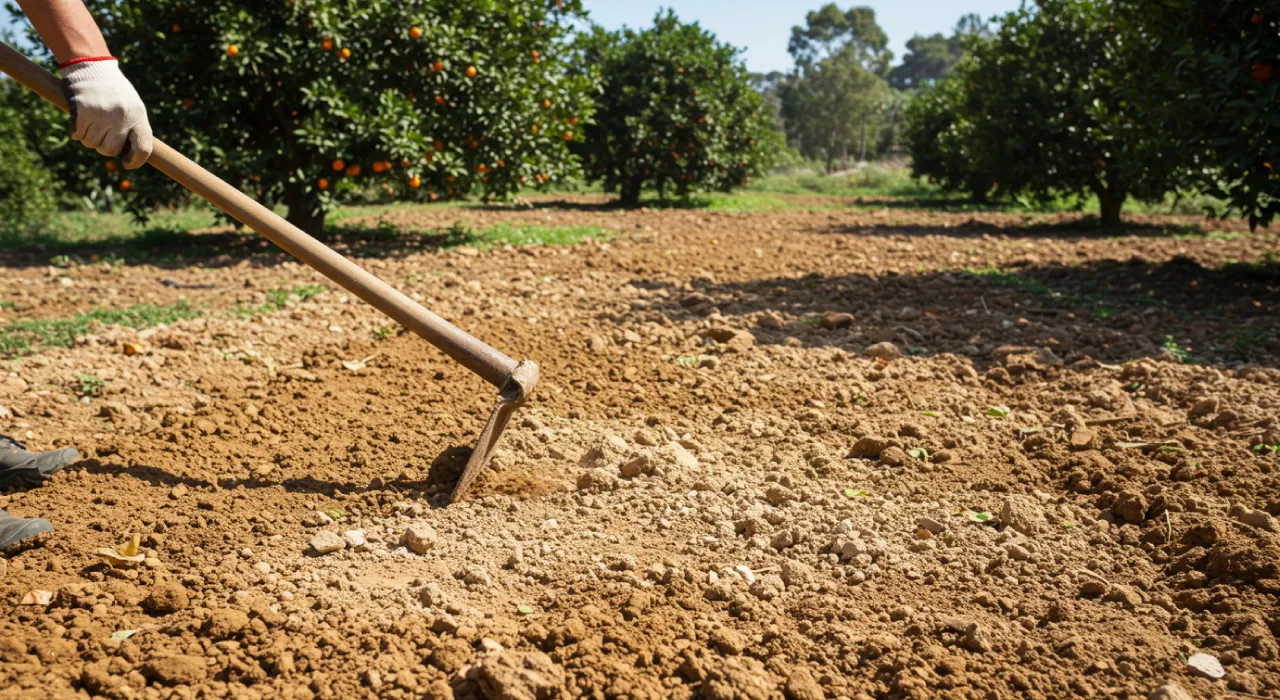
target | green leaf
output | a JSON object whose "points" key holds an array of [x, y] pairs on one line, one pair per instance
{"points": [[920, 453], [931, 414], [979, 516], [997, 411], [686, 361], [124, 634], [855, 493], [525, 609]]}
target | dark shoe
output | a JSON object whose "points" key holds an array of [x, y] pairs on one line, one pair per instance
{"points": [[21, 468], [14, 530]]}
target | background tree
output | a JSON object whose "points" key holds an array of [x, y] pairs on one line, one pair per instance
{"points": [[930, 58], [829, 32], [1041, 111], [676, 112], [27, 191], [1210, 79], [294, 101], [835, 101]]}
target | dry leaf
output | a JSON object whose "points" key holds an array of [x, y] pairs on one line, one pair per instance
{"points": [[130, 548], [357, 365], [131, 348], [117, 560]]}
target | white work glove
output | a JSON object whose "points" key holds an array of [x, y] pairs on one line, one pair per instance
{"points": [[107, 114]]}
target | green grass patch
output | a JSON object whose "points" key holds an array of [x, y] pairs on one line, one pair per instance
{"points": [[524, 234], [7, 304], [25, 336], [277, 299]]}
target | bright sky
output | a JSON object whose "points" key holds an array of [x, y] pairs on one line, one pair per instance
{"points": [[762, 27]]}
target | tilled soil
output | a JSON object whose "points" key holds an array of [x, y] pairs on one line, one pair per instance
{"points": [[817, 453]]}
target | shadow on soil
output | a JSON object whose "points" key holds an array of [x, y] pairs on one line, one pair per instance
{"points": [[1112, 311], [443, 474]]}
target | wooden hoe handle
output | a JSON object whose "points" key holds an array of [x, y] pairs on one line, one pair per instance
{"points": [[493, 366]]}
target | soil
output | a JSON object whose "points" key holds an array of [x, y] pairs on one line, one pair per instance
{"points": [[829, 452]]}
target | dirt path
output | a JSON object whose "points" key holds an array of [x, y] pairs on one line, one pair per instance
{"points": [[728, 486]]}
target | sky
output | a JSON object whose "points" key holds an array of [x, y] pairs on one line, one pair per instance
{"points": [[762, 27]]}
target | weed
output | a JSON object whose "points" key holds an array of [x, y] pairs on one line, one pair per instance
{"points": [[7, 304], [1178, 352], [1263, 449], [89, 384], [277, 299], [22, 336], [383, 333]]}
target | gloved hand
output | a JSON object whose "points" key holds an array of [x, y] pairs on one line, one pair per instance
{"points": [[107, 114]]}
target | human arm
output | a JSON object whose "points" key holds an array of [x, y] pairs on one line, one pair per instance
{"points": [[107, 114]]}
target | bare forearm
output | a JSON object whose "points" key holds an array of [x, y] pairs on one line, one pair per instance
{"points": [[66, 27]]}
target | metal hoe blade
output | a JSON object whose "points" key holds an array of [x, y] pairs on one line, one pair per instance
{"points": [[513, 396]]}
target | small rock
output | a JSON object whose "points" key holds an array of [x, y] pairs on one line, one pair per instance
{"points": [[1083, 439], [1259, 519], [796, 573], [1169, 691], [1017, 552], [727, 641], [641, 464], [1131, 506], [165, 598], [870, 447], [1204, 407], [684, 458], [1092, 587], [597, 481], [178, 491], [1205, 666], [420, 538], [768, 587], [802, 686], [354, 538], [931, 525], [893, 457], [833, 320], [883, 351], [1023, 514], [225, 624], [175, 670], [508, 675], [326, 542]]}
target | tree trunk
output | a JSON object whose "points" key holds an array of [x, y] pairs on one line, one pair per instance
{"points": [[1110, 202], [305, 211], [863, 158], [630, 192]]}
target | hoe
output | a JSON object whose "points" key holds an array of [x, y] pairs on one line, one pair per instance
{"points": [[515, 380]]}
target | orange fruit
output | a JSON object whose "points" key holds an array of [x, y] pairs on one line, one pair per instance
{"points": [[433, 196], [323, 184], [233, 51], [437, 66], [471, 71], [327, 45], [439, 145], [178, 28], [1256, 18], [568, 136], [415, 32], [1261, 72], [546, 104], [111, 166], [188, 103], [415, 182], [345, 53], [439, 99], [339, 165], [405, 162], [125, 185], [353, 170]]}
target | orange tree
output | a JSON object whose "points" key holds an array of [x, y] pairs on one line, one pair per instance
{"points": [[676, 112], [297, 102], [1211, 79]]}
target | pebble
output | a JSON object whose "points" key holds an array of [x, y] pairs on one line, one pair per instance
{"points": [[178, 491], [883, 351], [1205, 666], [355, 538], [1259, 519], [1170, 691], [684, 458], [327, 542], [420, 538], [931, 525], [165, 598], [262, 567], [833, 320], [1204, 407]]}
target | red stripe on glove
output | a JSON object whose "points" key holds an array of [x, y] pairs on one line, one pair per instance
{"points": [[87, 59]]}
